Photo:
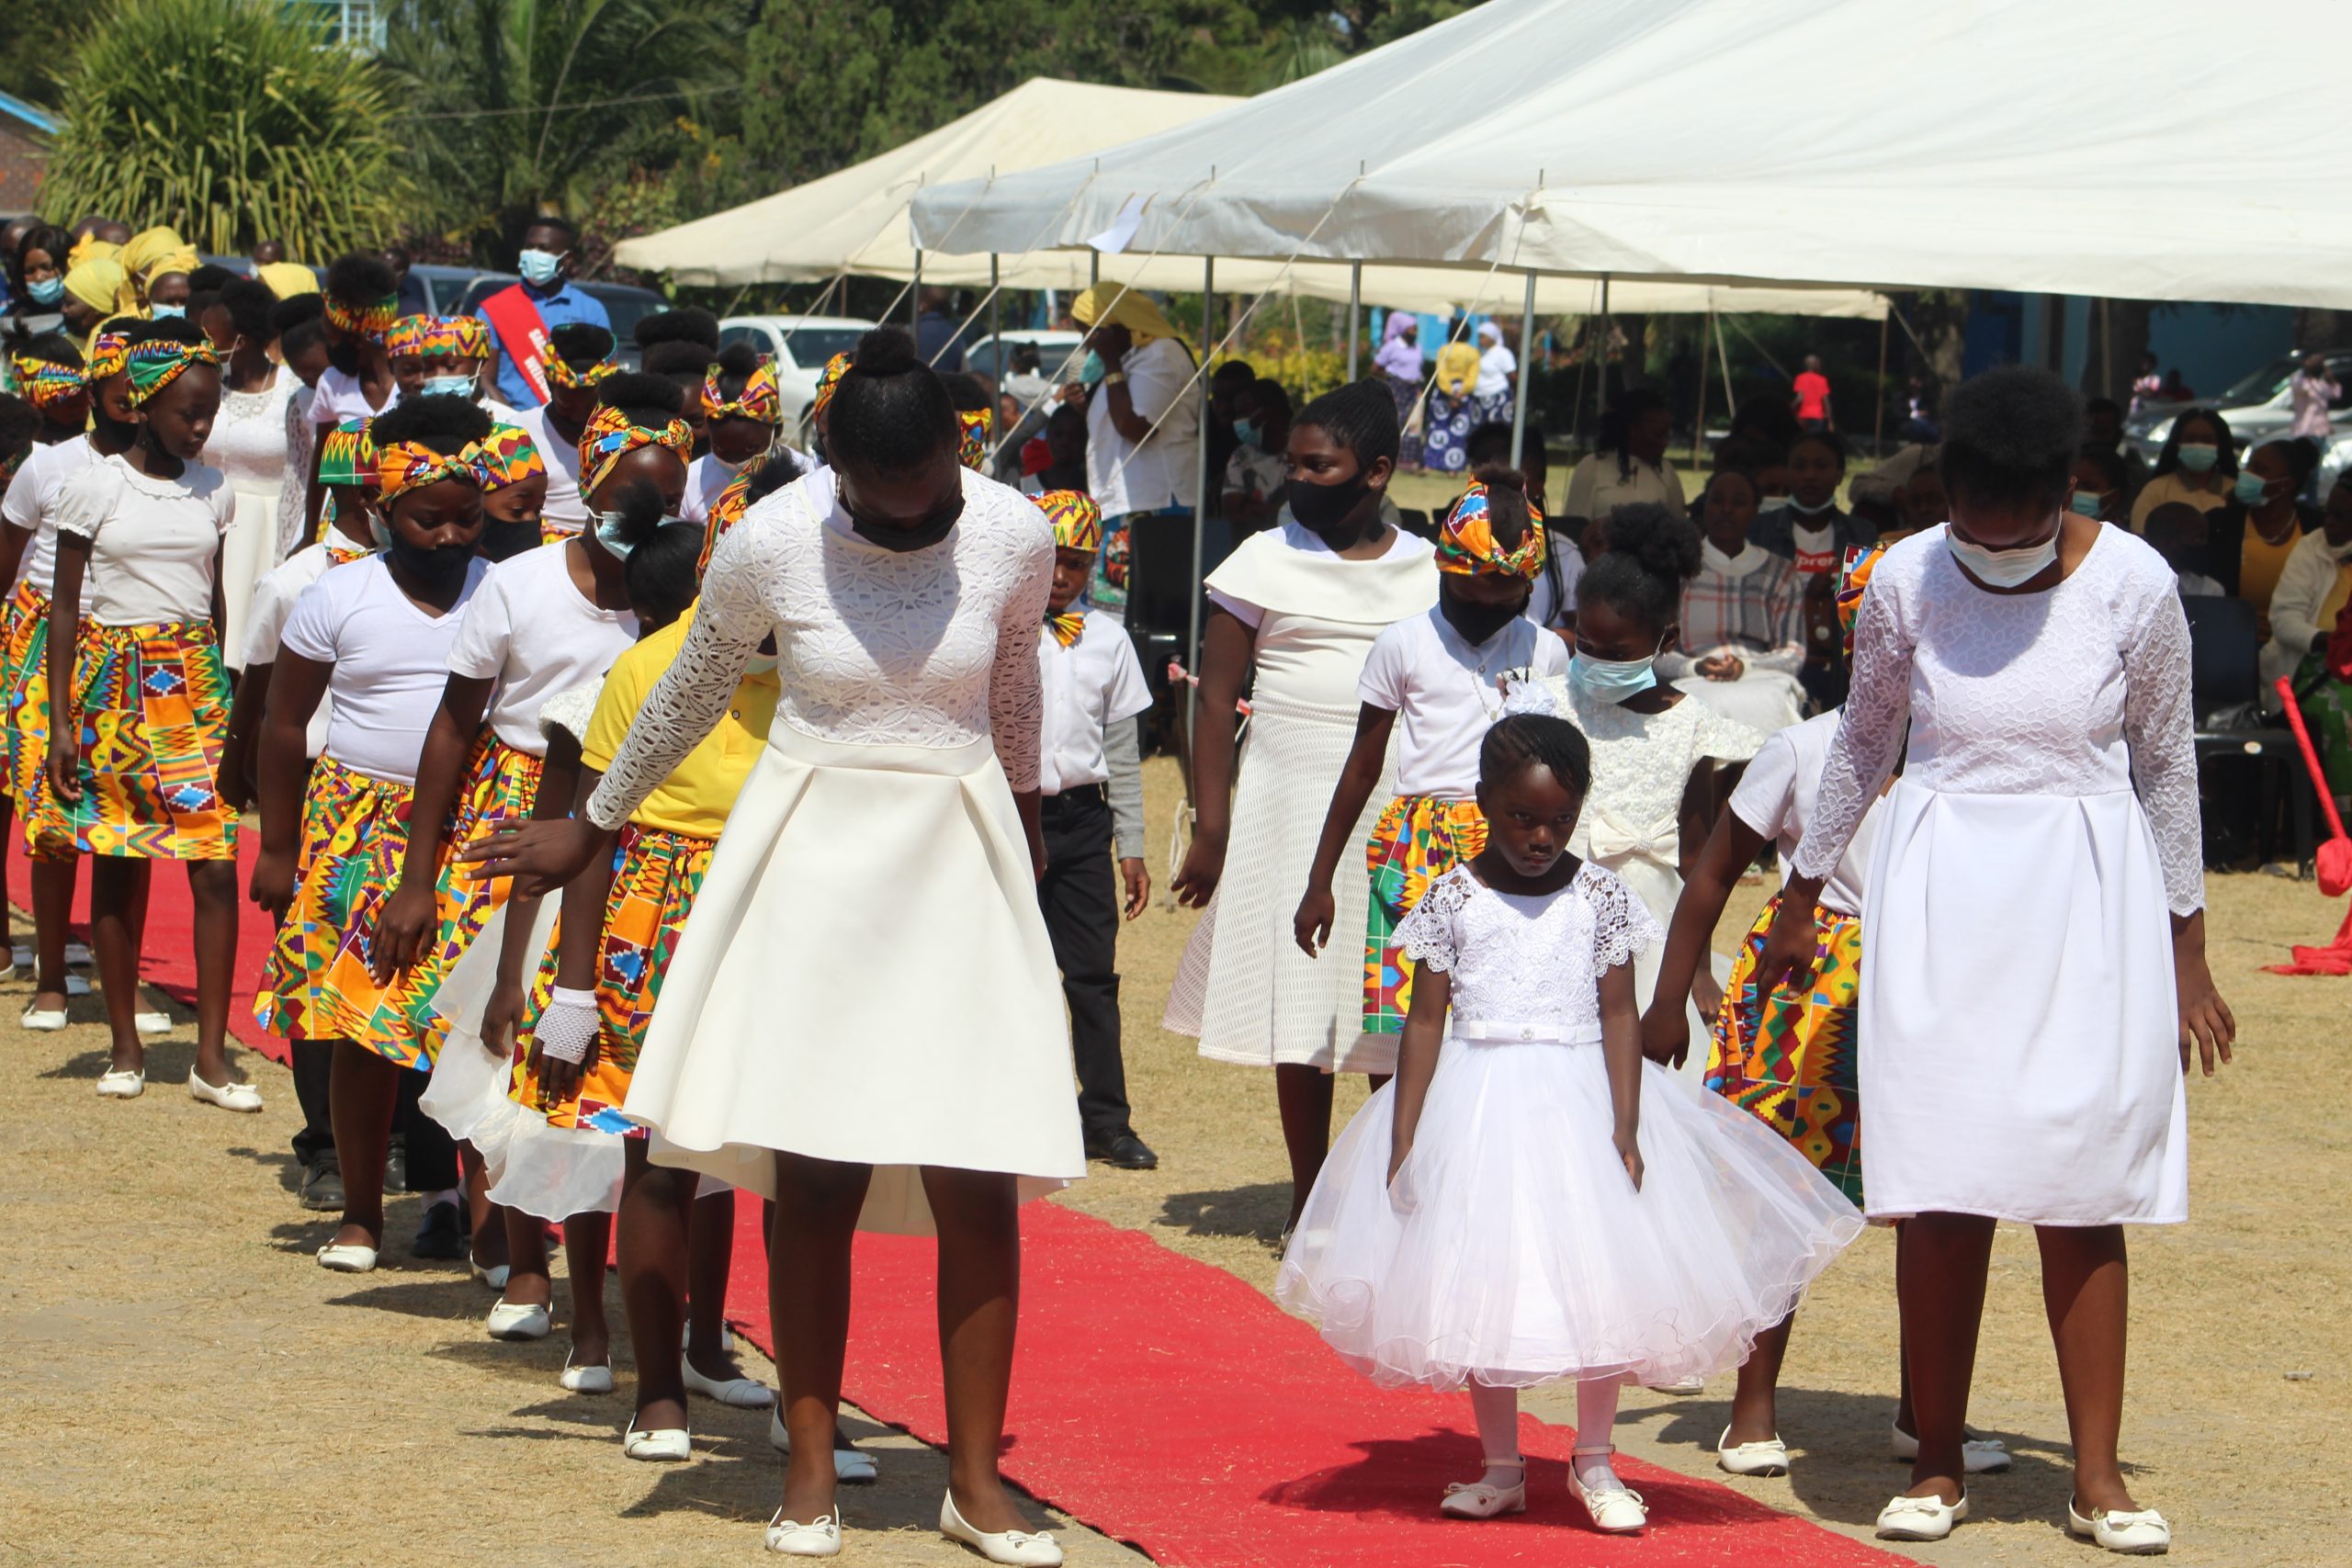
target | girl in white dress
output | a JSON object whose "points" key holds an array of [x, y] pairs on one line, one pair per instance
{"points": [[1531, 1201], [248, 443], [2034, 920], [862, 1020], [1300, 605]]}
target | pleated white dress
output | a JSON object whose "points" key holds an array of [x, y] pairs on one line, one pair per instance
{"points": [[248, 445], [865, 976], [2019, 1031], [1512, 1248], [1243, 988]]}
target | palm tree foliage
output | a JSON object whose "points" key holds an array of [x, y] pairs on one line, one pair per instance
{"points": [[232, 121]]}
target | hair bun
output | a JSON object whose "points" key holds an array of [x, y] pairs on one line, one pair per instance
{"points": [[885, 351], [1497, 475]]}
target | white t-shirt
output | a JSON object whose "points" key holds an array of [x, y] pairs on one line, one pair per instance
{"points": [[529, 630], [338, 397], [32, 504], [391, 659], [705, 477], [1093, 683], [155, 543], [564, 509], [275, 597], [1123, 476], [1443, 690], [1776, 797]]}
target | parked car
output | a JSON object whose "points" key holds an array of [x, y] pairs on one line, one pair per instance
{"points": [[625, 304], [799, 345], [445, 287], [1055, 347], [2258, 405]]}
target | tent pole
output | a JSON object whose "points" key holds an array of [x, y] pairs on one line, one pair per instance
{"points": [[1093, 268], [1722, 368], [996, 332], [1878, 432], [1699, 420], [1355, 310], [1200, 511], [1526, 374], [914, 300], [1601, 381]]}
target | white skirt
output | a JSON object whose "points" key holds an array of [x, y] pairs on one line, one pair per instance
{"points": [[1514, 1250], [865, 977], [1764, 700], [248, 554], [1244, 988], [2020, 1036], [467, 1093]]}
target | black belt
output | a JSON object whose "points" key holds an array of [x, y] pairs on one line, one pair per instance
{"points": [[1076, 795]]}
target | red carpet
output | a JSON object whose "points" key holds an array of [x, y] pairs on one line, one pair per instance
{"points": [[1165, 1403]]}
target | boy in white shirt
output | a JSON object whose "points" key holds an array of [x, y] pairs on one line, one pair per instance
{"points": [[1091, 778]]}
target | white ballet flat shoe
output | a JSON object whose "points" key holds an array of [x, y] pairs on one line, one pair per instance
{"points": [[587, 1380], [819, 1537], [2143, 1534], [152, 1023], [1768, 1458], [659, 1444], [1022, 1549], [1615, 1510], [853, 1467], [1978, 1456], [347, 1257], [513, 1321], [1478, 1500], [42, 1021], [122, 1083], [1920, 1519], [1681, 1388], [230, 1096], [493, 1278], [9, 974], [742, 1393]]}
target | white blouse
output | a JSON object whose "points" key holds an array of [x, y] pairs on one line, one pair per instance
{"points": [[249, 438], [155, 543], [1531, 960]]}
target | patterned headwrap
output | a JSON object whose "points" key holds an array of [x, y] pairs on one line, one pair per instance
{"points": [[108, 351], [561, 374], [508, 457], [45, 383], [157, 363], [405, 466], [373, 320], [610, 436], [1861, 560], [1466, 545], [760, 399], [975, 422], [404, 339], [829, 381], [453, 337], [1077, 519], [346, 455]]}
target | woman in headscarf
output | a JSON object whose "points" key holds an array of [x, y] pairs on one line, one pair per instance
{"points": [[91, 289], [145, 256], [1399, 363], [1143, 426]]}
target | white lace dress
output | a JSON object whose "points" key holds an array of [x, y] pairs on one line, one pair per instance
{"points": [[2018, 1034], [1512, 1247], [865, 976], [248, 443]]}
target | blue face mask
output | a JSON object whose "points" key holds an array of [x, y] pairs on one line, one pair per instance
{"points": [[539, 267], [167, 313], [449, 386], [2198, 458], [46, 290], [2086, 503], [609, 527], [1612, 680], [2251, 488], [1093, 370], [1245, 431]]}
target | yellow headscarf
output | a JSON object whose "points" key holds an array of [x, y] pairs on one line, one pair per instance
{"points": [[97, 283], [148, 246], [89, 247], [287, 279], [1130, 308]]}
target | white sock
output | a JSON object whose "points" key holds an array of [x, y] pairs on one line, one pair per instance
{"points": [[1596, 1417], [1497, 1410]]}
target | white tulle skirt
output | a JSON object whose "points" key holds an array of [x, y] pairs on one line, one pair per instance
{"points": [[468, 1091], [248, 554], [1514, 1250]]}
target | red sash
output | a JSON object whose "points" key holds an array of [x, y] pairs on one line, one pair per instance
{"points": [[521, 334]]}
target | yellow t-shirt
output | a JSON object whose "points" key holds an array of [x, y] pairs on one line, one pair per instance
{"points": [[2176, 486], [697, 795], [2260, 564]]}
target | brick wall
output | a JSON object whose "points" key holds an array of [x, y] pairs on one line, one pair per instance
{"points": [[22, 157]]}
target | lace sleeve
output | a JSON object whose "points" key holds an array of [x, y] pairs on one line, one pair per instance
{"points": [[1622, 926], [1017, 700], [1878, 705], [2160, 729], [1427, 932], [685, 703]]}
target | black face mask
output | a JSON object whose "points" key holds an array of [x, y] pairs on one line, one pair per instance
{"points": [[921, 536], [1321, 508], [431, 567], [502, 541], [1476, 623]]}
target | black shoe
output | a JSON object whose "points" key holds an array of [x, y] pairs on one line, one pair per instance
{"points": [[1122, 1151], [440, 1236], [396, 1165], [321, 1188]]}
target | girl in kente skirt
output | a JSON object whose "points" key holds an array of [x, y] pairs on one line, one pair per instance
{"points": [[1441, 671], [544, 622], [139, 696], [376, 635]]}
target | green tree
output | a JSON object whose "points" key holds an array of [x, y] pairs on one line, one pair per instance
{"points": [[229, 120], [35, 36]]}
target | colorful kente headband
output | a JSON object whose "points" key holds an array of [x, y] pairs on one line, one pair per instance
{"points": [[157, 363], [108, 351], [561, 374], [829, 381], [610, 436], [404, 339], [453, 337], [760, 399], [45, 383], [367, 321], [974, 449], [509, 457], [1077, 519], [405, 466], [1466, 545], [346, 455]]}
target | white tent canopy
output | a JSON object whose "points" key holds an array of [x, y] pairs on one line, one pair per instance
{"points": [[854, 220], [1866, 143]]}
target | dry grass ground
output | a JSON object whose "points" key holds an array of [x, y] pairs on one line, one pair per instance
{"points": [[179, 1382]]}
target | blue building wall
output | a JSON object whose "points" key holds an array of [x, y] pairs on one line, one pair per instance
{"points": [[2211, 345]]}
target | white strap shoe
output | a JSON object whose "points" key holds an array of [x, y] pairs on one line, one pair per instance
{"points": [[152, 1023], [1022, 1549], [231, 1096], [587, 1380], [1616, 1508], [348, 1258], [1768, 1458], [42, 1021], [1682, 1387], [495, 1278], [853, 1467], [514, 1321], [742, 1394], [122, 1083], [1478, 1500], [1978, 1455], [1920, 1519], [819, 1537], [658, 1443], [2143, 1534]]}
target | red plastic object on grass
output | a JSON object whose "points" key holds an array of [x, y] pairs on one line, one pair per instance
{"points": [[2336, 855]]}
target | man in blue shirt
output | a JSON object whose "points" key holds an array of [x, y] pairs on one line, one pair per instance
{"points": [[521, 315], [939, 335]]}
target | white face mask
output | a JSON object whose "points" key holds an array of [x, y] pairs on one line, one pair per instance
{"points": [[449, 386], [2003, 569]]}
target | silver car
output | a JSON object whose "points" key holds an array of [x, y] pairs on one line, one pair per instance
{"points": [[2258, 405]]}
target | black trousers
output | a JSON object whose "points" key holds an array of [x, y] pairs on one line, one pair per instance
{"points": [[1079, 895], [432, 1154]]}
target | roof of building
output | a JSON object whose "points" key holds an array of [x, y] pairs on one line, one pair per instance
{"points": [[17, 108]]}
